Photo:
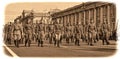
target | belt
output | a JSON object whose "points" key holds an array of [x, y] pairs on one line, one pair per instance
{"points": [[16, 29], [28, 29]]}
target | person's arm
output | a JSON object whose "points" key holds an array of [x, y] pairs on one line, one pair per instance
{"points": [[13, 27], [95, 28], [103, 28], [21, 29]]}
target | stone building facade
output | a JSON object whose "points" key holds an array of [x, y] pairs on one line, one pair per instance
{"points": [[98, 12]]}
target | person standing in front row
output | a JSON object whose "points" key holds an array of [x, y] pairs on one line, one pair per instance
{"points": [[105, 31], [17, 32], [9, 33], [57, 40], [41, 34], [28, 33], [41, 38], [91, 33]]}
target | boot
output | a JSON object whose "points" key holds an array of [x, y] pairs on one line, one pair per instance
{"points": [[75, 42], [91, 45], [15, 43], [108, 43], [78, 43], [25, 42], [41, 43], [38, 43], [103, 42], [58, 43], [29, 43], [54, 42]]}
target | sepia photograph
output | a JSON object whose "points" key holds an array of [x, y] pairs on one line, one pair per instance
{"points": [[60, 29]]}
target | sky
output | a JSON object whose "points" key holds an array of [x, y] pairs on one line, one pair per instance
{"points": [[15, 9]]}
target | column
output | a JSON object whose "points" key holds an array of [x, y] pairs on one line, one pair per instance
{"points": [[114, 17], [60, 20], [108, 14], [92, 15], [71, 19], [95, 15], [89, 16], [105, 13], [108, 17], [101, 15], [79, 17], [65, 20], [68, 19], [84, 17], [75, 21]]}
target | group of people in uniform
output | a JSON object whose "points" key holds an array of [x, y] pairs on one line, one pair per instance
{"points": [[55, 33]]}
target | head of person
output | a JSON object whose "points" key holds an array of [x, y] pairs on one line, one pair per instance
{"points": [[40, 22], [79, 23], [91, 21], [29, 21], [10, 23], [37, 21], [57, 32], [17, 21], [104, 22], [67, 24]]}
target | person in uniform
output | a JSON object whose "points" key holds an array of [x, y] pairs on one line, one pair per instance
{"points": [[63, 33], [68, 33], [28, 33], [58, 35], [52, 33], [98, 33], [76, 35], [49, 36], [77, 39], [105, 32], [86, 38], [41, 34], [81, 31], [9, 33], [17, 32], [85, 33], [91, 33], [36, 31], [60, 32], [5, 33], [41, 38], [94, 32], [72, 34]]}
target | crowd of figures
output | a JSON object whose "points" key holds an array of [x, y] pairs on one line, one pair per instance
{"points": [[55, 33]]}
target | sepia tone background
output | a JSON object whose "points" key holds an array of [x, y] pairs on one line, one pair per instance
{"points": [[15, 9]]}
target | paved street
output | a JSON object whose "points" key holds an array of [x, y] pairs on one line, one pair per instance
{"points": [[66, 50]]}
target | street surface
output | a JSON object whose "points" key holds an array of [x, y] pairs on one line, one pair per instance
{"points": [[65, 50]]}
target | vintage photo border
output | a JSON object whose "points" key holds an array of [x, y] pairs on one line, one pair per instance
{"points": [[4, 3]]}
